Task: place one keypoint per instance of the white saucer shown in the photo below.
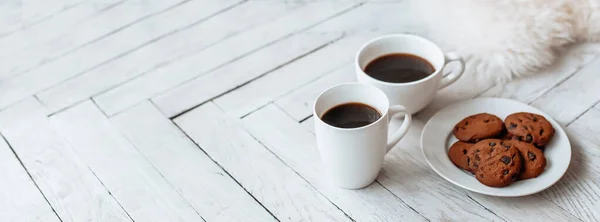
(437, 138)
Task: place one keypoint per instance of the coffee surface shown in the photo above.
(399, 68)
(351, 115)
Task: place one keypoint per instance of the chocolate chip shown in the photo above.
(464, 151)
(541, 132)
(512, 126)
(520, 120)
(505, 160)
(505, 172)
(534, 119)
(514, 177)
(528, 138)
(491, 143)
(467, 123)
(468, 160)
(485, 121)
(530, 155)
(477, 150)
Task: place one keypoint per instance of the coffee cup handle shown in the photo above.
(394, 110)
(455, 74)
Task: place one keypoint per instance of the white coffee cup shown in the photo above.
(412, 95)
(352, 157)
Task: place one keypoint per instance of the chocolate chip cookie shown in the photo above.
(530, 128)
(534, 161)
(482, 150)
(458, 154)
(477, 127)
(494, 164)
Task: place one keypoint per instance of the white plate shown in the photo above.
(437, 138)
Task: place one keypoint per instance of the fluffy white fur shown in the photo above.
(503, 39)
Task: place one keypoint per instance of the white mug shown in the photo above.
(352, 157)
(412, 95)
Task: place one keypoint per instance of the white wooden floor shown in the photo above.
(200, 110)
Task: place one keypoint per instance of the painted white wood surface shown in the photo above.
(227, 50)
(204, 112)
(240, 72)
(166, 50)
(281, 190)
(208, 188)
(142, 191)
(67, 183)
(104, 50)
(20, 199)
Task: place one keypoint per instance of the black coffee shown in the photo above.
(399, 68)
(351, 115)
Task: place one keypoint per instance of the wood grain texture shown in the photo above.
(43, 32)
(142, 191)
(182, 43)
(297, 147)
(213, 193)
(32, 12)
(67, 183)
(238, 73)
(81, 34)
(270, 87)
(107, 49)
(279, 189)
(167, 77)
(20, 199)
(299, 103)
(578, 93)
(579, 191)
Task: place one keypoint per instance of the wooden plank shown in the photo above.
(299, 103)
(32, 12)
(20, 199)
(47, 30)
(309, 124)
(407, 161)
(587, 126)
(297, 147)
(208, 188)
(528, 89)
(579, 191)
(167, 77)
(130, 178)
(84, 33)
(239, 72)
(67, 183)
(272, 86)
(374, 17)
(277, 187)
(107, 49)
(578, 93)
(162, 52)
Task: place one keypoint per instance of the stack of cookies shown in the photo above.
(498, 152)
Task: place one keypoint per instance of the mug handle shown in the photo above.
(398, 109)
(452, 76)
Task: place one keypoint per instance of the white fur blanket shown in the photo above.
(503, 39)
